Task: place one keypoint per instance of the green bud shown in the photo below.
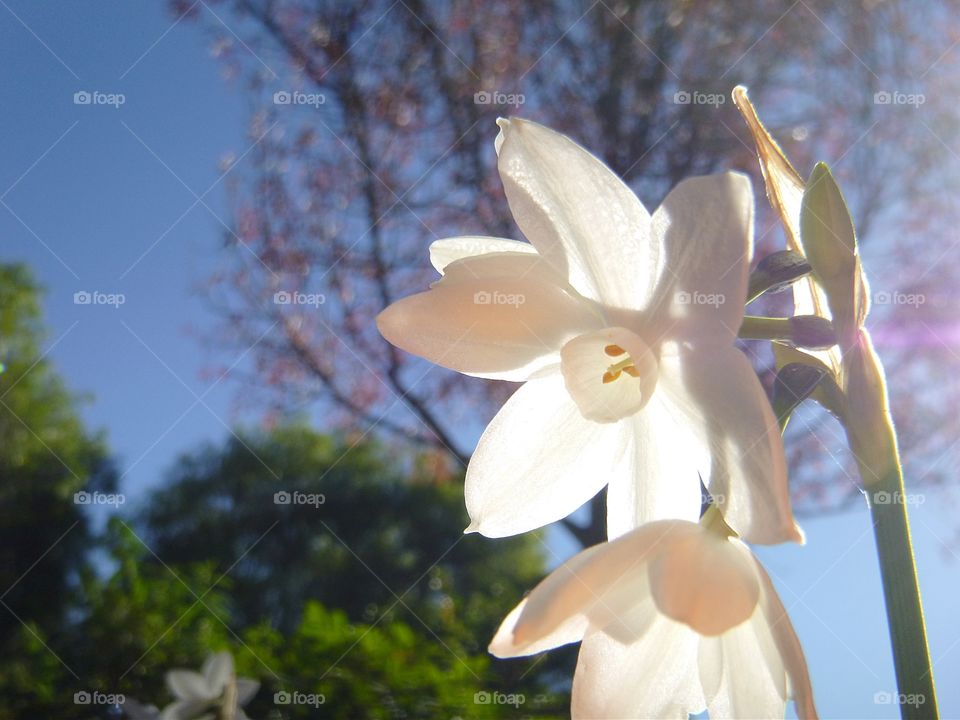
(830, 244)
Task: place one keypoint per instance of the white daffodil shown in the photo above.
(674, 618)
(199, 692)
(622, 324)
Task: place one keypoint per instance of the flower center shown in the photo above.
(624, 366)
(610, 373)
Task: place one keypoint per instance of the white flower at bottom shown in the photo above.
(675, 618)
(198, 692)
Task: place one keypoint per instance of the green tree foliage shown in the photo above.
(372, 600)
(350, 575)
(148, 618)
(383, 540)
(46, 456)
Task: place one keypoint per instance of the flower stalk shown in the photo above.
(901, 592)
(819, 226)
(228, 710)
(804, 331)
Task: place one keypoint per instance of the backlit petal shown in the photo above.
(663, 481)
(706, 229)
(791, 653)
(504, 315)
(653, 677)
(600, 587)
(538, 461)
(578, 214)
(718, 395)
(703, 580)
(443, 252)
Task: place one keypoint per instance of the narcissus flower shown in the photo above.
(198, 693)
(675, 618)
(622, 325)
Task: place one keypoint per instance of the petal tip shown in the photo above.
(473, 527)
(504, 124)
(797, 534)
(384, 321)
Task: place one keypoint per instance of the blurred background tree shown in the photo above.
(46, 456)
(372, 598)
(390, 146)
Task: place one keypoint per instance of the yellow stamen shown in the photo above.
(624, 366)
(614, 350)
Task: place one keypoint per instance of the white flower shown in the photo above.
(675, 618)
(197, 692)
(622, 324)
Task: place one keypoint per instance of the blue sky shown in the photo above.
(99, 198)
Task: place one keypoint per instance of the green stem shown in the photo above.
(765, 328)
(901, 592)
(873, 440)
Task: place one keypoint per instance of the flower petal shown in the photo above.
(652, 677)
(508, 643)
(718, 394)
(217, 669)
(704, 581)
(777, 620)
(538, 461)
(663, 480)
(246, 689)
(443, 252)
(189, 685)
(599, 587)
(768, 645)
(503, 315)
(706, 227)
(184, 709)
(578, 214)
(730, 691)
